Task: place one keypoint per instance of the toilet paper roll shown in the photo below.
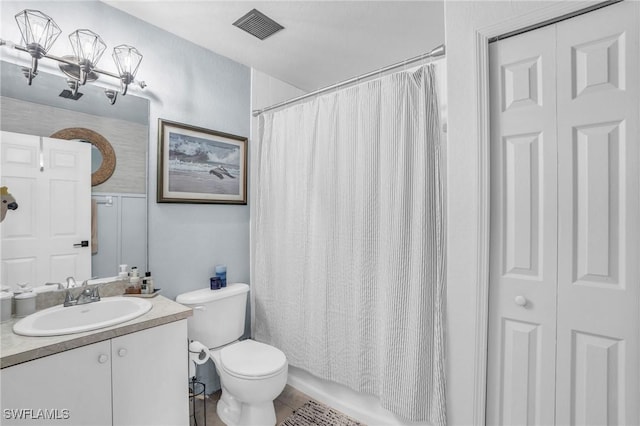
(198, 352)
(198, 355)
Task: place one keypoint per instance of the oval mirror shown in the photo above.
(103, 157)
(96, 159)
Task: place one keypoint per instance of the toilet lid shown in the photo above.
(249, 358)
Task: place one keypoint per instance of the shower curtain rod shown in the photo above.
(434, 53)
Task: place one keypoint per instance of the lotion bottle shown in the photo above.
(134, 281)
(149, 281)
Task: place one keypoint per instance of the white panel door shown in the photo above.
(588, 201)
(51, 181)
(69, 199)
(522, 321)
(21, 230)
(598, 218)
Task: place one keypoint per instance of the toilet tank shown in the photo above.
(218, 315)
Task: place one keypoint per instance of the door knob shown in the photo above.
(122, 352)
(103, 358)
(520, 300)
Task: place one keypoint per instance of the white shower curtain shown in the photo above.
(348, 251)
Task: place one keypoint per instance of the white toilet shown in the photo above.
(252, 374)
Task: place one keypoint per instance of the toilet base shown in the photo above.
(235, 413)
(228, 408)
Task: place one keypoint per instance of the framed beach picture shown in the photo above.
(197, 165)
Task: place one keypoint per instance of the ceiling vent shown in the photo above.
(258, 24)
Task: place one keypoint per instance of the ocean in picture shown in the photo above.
(203, 166)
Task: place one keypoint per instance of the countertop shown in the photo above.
(16, 349)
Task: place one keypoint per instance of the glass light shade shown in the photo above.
(127, 59)
(87, 46)
(38, 30)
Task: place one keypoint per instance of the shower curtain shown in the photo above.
(348, 249)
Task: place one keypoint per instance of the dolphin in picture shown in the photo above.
(217, 173)
(224, 171)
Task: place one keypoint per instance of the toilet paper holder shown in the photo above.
(196, 389)
(198, 355)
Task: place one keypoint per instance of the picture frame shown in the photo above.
(197, 165)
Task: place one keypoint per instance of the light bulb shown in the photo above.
(37, 31)
(87, 49)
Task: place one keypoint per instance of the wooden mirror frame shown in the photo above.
(108, 164)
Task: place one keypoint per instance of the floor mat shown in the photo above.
(313, 413)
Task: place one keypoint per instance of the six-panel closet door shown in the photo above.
(522, 289)
(564, 314)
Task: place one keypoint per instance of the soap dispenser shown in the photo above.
(134, 282)
(123, 274)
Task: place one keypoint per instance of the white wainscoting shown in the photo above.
(120, 240)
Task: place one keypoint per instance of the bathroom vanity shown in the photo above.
(134, 373)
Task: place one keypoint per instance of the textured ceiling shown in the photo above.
(323, 41)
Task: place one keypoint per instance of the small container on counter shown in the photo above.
(25, 301)
(221, 272)
(123, 274)
(215, 283)
(134, 282)
(148, 283)
(6, 300)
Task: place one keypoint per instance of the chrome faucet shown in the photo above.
(71, 282)
(68, 297)
(60, 286)
(87, 295)
(84, 296)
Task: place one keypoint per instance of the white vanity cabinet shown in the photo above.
(135, 379)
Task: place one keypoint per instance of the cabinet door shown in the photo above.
(150, 377)
(69, 388)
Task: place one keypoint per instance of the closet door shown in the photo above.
(598, 218)
(522, 321)
(596, 365)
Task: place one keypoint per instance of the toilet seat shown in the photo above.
(249, 359)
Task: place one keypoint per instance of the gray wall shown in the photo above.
(187, 84)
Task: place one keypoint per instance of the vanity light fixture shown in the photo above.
(39, 32)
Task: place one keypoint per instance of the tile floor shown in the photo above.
(289, 400)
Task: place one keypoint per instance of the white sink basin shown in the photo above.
(58, 320)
